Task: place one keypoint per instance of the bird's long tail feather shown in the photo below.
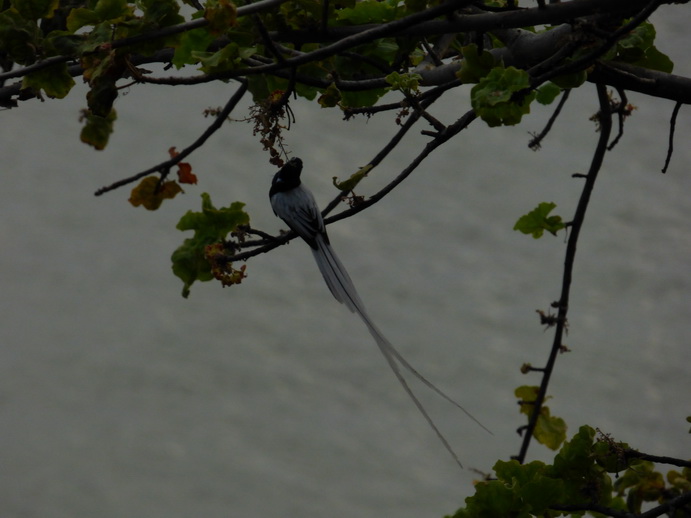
(343, 289)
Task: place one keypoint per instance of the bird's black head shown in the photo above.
(287, 177)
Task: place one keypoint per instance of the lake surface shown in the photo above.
(120, 398)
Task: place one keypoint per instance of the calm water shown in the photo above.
(119, 398)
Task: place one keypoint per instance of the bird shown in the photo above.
(295, 205)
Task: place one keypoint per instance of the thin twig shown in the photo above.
(390, 146)
(450, 132)
(672, 127)
(371, 110)
(164, 167)
(264, 33)
(442, 137)
(261, 247)
(563, 304)
(622, 112)
(534, 144)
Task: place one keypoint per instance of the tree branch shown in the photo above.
(668, 507)
(605, 122)
(164, 32)
(523, 52)
(448, 133)
(442, 137)
(164, 167)
(596, 508)
(536, 141)
(672, 127)
(480, 21)
(633, 454)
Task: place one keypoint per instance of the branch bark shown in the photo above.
(605, 121)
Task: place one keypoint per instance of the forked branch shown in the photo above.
(605, 125)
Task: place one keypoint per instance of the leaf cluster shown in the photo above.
(578, 481)
(313, 49)
(191, 260)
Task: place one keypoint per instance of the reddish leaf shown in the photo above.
(185, 174)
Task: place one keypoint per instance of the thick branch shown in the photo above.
(523, 51)
(554, 14)
(643, 80)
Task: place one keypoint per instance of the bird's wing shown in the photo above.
(299, 210)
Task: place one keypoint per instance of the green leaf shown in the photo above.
(35, 9)
(331, 97)
(636, 42)
(416, 57)
(55, 81)
(228, 58)
(637, 48)
(81, 17)
(532, 483)
(408, 83)
(656, 60)
(111, 9)
(502, 97)
(354, 99)
(538, 220)
(513, 472)
(97, 129)
(302, 14)
(610, 455)
(160, 13)
(384, 50)
(102, 96)
(526, 394)
(368, 11)
(492, 499)
(351, 183)
(210, 225)
(547, 93)
(63, 42)
(572, 80)
(196, 40)
(549, 430)
(19, 38)
(475, 65)
(576, 454)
